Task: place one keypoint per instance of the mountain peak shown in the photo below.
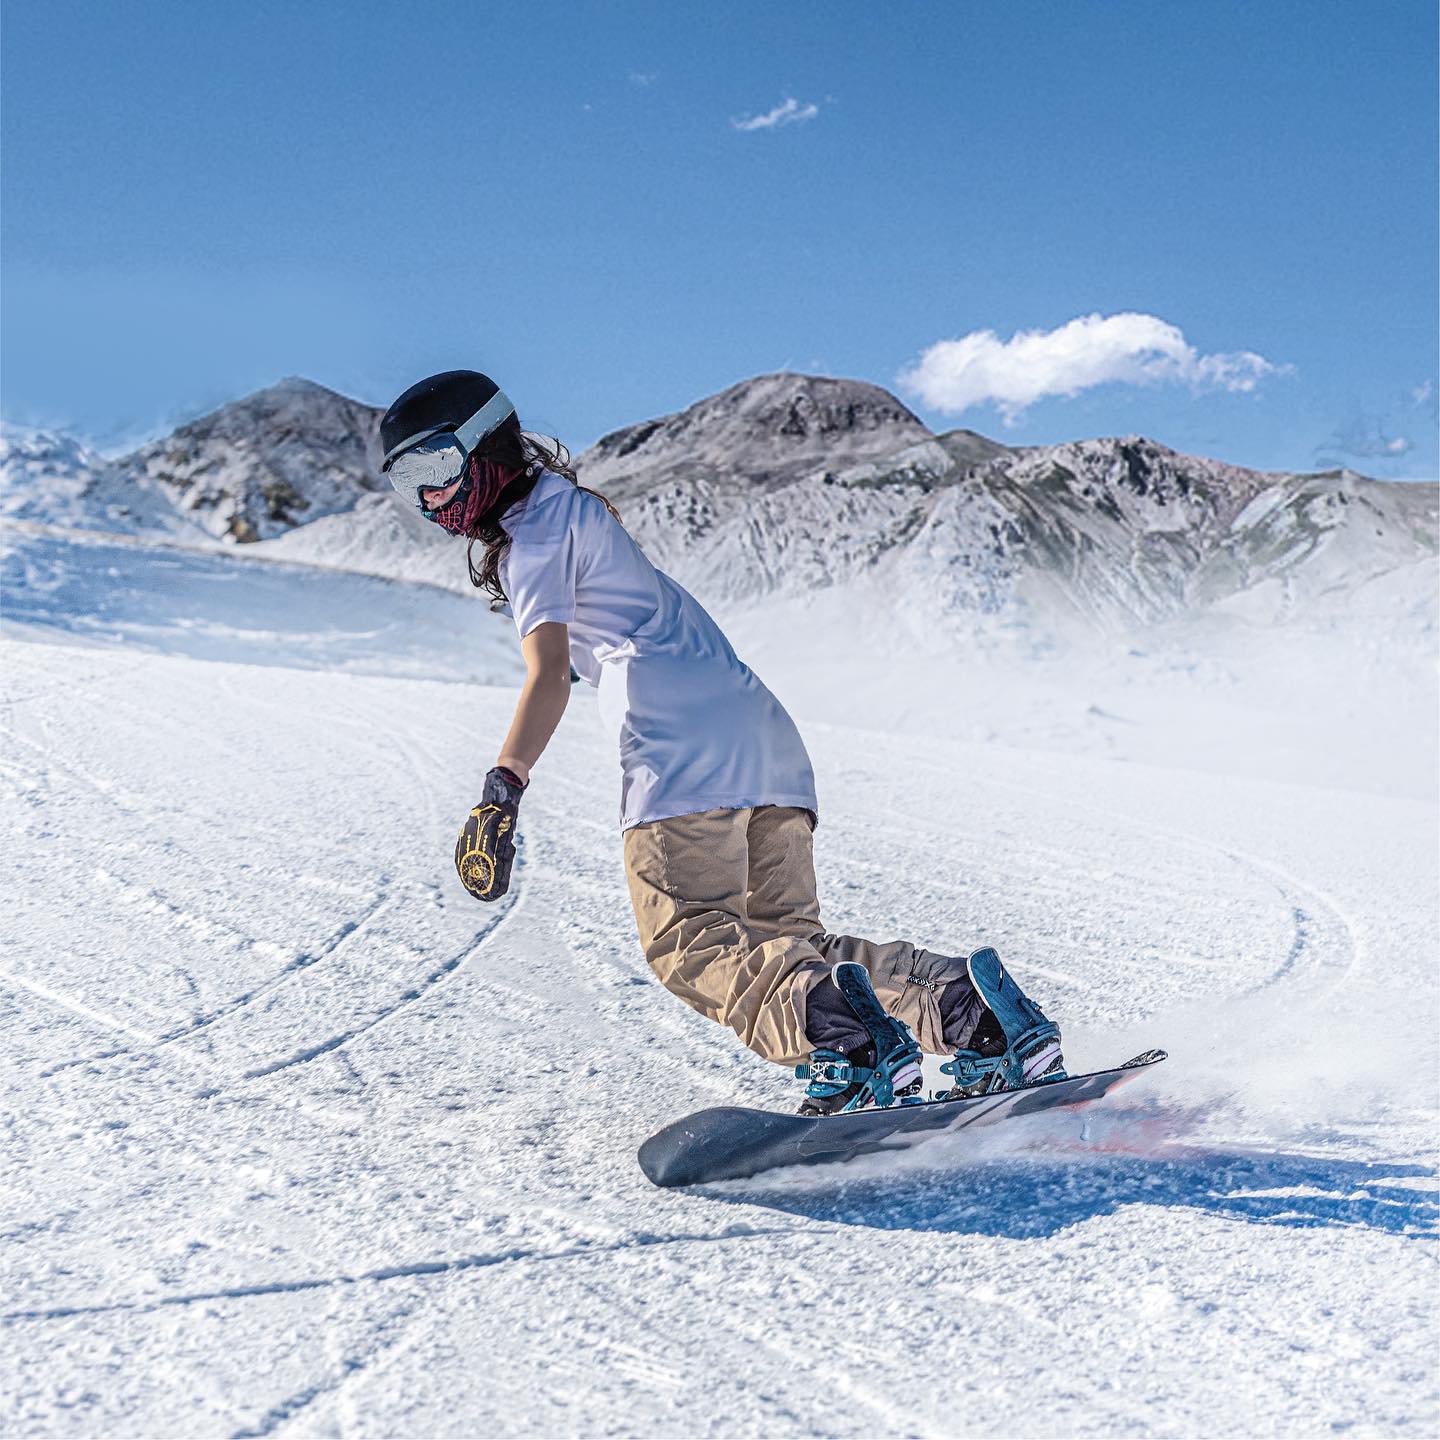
(795, 406)
(262, 464)
(765, 431)
(299, 385)
(288, 403)
(291, 393)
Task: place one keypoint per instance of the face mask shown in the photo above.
(484, 480)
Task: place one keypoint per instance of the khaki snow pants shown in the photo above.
(726, 906)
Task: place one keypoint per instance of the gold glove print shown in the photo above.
(485, 850)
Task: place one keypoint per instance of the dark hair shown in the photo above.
(527, 455)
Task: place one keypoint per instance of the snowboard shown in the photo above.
(731, 1143)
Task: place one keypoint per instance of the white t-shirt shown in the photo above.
(696, 728)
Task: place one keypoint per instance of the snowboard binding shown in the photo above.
(881, 1072)
(1031, 1052)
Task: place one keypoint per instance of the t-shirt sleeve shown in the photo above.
(540, 580)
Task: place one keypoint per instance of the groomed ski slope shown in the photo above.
(301, 1141)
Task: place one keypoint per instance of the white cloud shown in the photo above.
(1364, 438)
(1421, 393)
(787, 113)
(955, 375)
(643, 78)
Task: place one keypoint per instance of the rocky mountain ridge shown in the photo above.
(785, 484)
(758, 435)
(252, 470)
(1107, 533)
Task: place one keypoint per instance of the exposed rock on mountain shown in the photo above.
(755, 436)
(256, 468)
(1108, 532)
(253, 469)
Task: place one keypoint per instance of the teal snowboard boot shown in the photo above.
(863, 1056)
(1013, 1046)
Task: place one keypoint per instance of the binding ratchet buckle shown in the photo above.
(830, 1072)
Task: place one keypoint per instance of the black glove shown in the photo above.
(485, 850)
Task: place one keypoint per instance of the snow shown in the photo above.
(201, 602)
(301, 1140)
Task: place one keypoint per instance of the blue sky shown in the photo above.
(618, 208)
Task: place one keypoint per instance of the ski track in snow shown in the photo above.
(300, 1140)
(1309, 951)
(449, 1266)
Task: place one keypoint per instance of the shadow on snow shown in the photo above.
(1027, 1197)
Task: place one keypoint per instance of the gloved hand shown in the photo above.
(485, 850)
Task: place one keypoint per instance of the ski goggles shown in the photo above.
(465, 436)
(433, 464)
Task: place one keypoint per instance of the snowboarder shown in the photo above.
(717, 794)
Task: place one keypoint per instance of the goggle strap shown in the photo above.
(493, 413)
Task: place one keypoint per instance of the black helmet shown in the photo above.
(463, 401)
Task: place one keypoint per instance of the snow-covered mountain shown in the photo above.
(1110, 531)
(754, 437)
(257, 468)
(790, 483)
(254, 469)
(41, 467)
(52, 479)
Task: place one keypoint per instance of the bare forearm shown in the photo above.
(542, 703)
